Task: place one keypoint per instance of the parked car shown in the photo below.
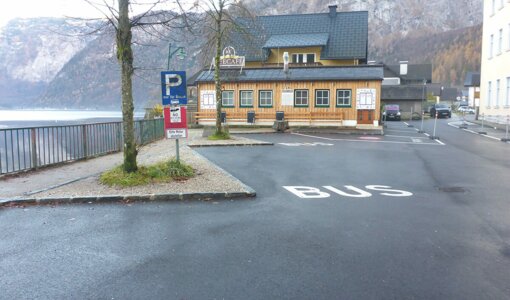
(466, 109)
(391, 112)
(442, 110)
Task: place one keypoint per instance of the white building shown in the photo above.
(495, 71)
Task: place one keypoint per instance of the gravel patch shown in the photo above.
(81, 179)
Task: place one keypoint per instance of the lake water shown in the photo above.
(29, 118)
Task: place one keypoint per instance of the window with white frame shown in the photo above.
(246, 98)
(265, 98)
(227, 98)
(489, 94)
(322, 98)
(491, 46)
(497, 93)
(301, 98)
(343, 98)
(500, 41)
(507, 101)
(303, 58)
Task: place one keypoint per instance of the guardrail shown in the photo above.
(34, 147)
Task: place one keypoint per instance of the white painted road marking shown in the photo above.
(309, 192)
(365, 141)
(305, 144)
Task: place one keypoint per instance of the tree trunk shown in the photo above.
(217, 79)
(125, 58)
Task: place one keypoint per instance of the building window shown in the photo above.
(489, 94)
(301, 98)
(265, 98)
(501, 4)
(509, 36)
(246, 98)
(491, 46)
(227, 99)
(302, 58)
(500, 41)
(507, 102)
(493, 7)
(497, 93)
(322, 98)
(343, 98)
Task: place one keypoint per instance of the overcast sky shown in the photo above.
(11, 9)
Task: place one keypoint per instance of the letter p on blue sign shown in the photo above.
(173, 88)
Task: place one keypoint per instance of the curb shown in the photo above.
(130, 198)
(375, 132)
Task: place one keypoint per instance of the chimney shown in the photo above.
(403, 67)
(332, 10)
(286, 62)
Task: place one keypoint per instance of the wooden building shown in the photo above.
(310, 67)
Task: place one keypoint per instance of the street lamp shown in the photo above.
(179, 52)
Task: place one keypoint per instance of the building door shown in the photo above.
(365, 116)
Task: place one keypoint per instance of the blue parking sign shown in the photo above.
(173, 87)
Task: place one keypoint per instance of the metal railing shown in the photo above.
(34, 147)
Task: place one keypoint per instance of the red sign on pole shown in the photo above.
(176, 125)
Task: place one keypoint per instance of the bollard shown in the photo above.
(506, 139)
(482, 131)
(421, 128)
(411, 118)
(464, 124)
(433, 136)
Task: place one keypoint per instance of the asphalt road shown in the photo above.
(336, 217)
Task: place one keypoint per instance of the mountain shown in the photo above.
(32, 52)
(54, 63)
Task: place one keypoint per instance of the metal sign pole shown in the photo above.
(411, 118)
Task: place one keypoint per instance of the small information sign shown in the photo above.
(177, 133)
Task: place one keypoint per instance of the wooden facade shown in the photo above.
(311, 114)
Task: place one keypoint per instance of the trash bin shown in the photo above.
(279, 116)
(223, 117)
(251, 117)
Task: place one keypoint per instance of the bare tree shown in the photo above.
(148, 21)
(222, 19)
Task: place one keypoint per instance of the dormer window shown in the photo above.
(303, 58)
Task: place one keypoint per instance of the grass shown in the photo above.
(161, 172)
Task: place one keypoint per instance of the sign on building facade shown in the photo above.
(365, 98)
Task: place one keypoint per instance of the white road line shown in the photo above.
(473, 132)
(440, 143)
(426, 134)
(410, 130)
(401, 136)
(364, 141)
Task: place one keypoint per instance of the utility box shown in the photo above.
(251, 117)
(223, 117)
(280, 116)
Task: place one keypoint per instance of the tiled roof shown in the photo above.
(402, 92)
(296, 74)
(472, 79)
(297, 40)
(414, 72)
(347, 31)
